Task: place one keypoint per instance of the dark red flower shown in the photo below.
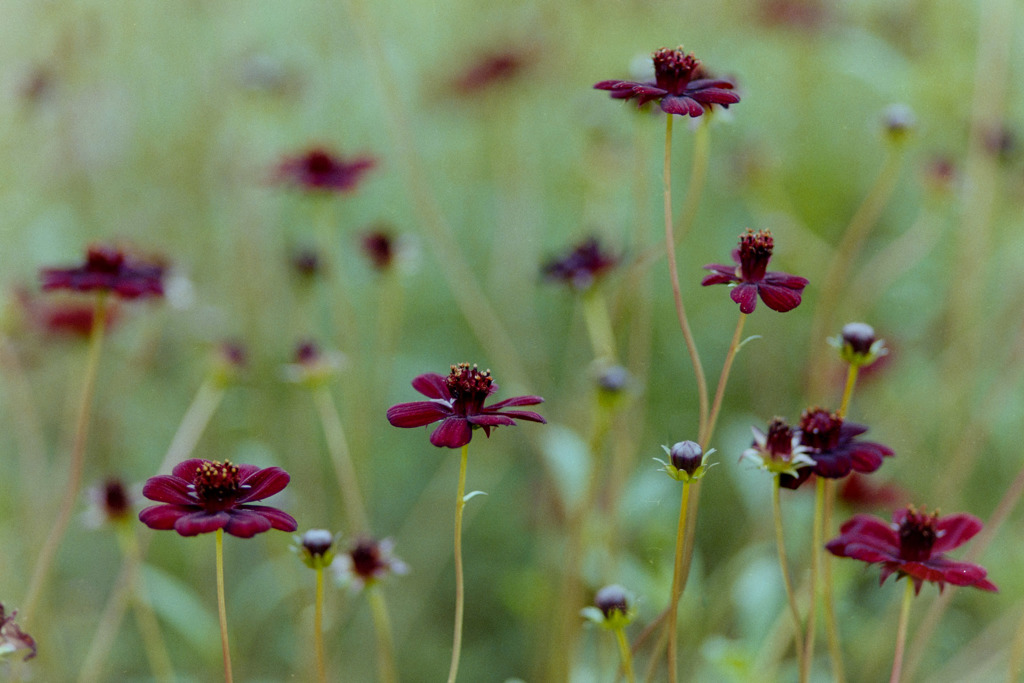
(749, 277)
(367, 562)
(458, 401)
(205, 495)
(379, 246)
(581, 266)
(680, 85)
(12, 638)
(860, 491)
(69, 314)
(108, 269)
(489, 70)
(832, 444)
(318, 169)
(913, 545)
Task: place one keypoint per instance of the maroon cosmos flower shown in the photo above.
(582, 266)
(913, 545)
(12, 638)
(749, 277)
(488, 70)
(379, 246)
(63, 315)
(679, 85)
(367, 562)
(458, 401)
(831, 443)
(108, 269)
(201, 496)
(318, 169)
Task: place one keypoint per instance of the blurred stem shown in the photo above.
(460, 503)
(670, 250)
(599, 325)
(222, 610)
(817, 541)
(851, 381)
(382, 626)
(335, 299)
(194, 422)
(901, 631)
(76, 466)
(344, 470)
(1016, 654)
(318, 624)
(627, 658)
(698, 176)
(835, 647)
(677, 584)
(784, 567)
(723, 379)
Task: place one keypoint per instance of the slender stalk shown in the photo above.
(76, 466)
(222, 610)
(318, 625)
(723, 379)
(851, 381)
(193, 423)
(599, 326)
(817, 540)
(627, 658)
(460, 503)
(901, 632)
(1013, 667)
(677, 585)
(385, 642)
(344, 470)
(698, 175)
(784, 567)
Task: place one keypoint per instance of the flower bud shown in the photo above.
(316, 547)
(613, 600)
(899, 122)
(687, 461)
(858, 345)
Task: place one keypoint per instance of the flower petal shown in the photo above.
(418, 413)
(264, 483)
(186, 469)
(454, 432)
(864, 456)
(778, 298)
(165, 488)
(246, 523)
(682, 105)
(490, 420)
(201, 522)
(432, 385)
(517, 401)
(278, 519)
(524, 415)
(954, 531)
(746, 296)
(163, 517)
(723, 274)
(714, 96)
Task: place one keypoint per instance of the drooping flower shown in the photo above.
(582, 266)
(108, 269)
(367, 562)
(202, 496)
(749, 277)
(680, 85)
(832, 444)
(12, 638)
(458, 401)
(914, 546)
(778, 450)
(319, 170)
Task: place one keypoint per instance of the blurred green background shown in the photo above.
(160, 125)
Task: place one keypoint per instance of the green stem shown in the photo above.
(627, 658)
(222, 610)
(817, 540)
(385, 643)
(835, 648)
(318, 625)
(344, 470)
(460, 503)
(698, 175)
(149, 628)
(599, 326)
(677, 584)
(193, 423)
(851, 380)
(709, 429)
(76, 467)
(901, 632)
(784, 567)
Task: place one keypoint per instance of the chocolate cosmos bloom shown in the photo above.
(205, 495)
(367, 562)
(582, 266)
(913, 545)
(832, 444)
(779, 291)
(458, 400)
(108, 269)
(318, 169)
(679, 86)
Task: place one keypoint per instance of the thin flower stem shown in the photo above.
(835, 648)
(599, 326)
(670, 249)
(385, 642)
(784, 567)
(149, 628)
(460, 503)
(698, 176)
(318, 625)
(723, 379)
(677, 585)
(627, 658)
(851, 381)
(817, 540)
(222, 610)
(1016, 654)
(193, 423)
(901, 631)
(76, 467)
(344, 470)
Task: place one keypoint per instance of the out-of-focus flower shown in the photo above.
(860, 491)
(313, 366)
(832, 444)
(319, 170)
(458, 401)
(680, 86)
(110, 503)
(108, 269)
(687, 461)
(307, 262)
(914, 546)
(379, 246)
(367, 562)
(612, 608)
(858, 344)
(899, 122)
(229, 361)
(62, 314)
(778, 451)
(582, 266)
(749, 277)
(488, 70)
(12, 638)
(316, 548)
(202, 496)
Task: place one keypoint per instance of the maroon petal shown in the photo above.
(781, 299)
(954, 531)
(525, 415)
(723, 274)
(786, 280)
(858, 551)
(705, 83)
(454, 432)
(278, 519)
(490, 420)
(432, 385)
(746, 296)
(681, 105)
(872, 531)
(864, 457)
(186, 469)
(517, 401)
(246, 471)
(832, 465)
(417, 413)
(201, 522)
(163, 517)
(615, 85)
(246, 523)
(168, 489)
(715, 96)
(959, 573)
(264, 484)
